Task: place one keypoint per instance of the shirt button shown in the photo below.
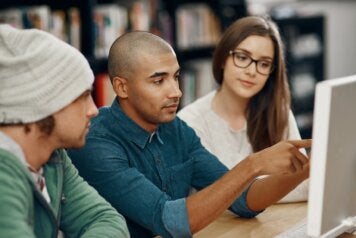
(158, 161)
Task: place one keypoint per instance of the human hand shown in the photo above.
(283, 157)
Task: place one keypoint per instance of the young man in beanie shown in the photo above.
(144, 160)
(46, 105)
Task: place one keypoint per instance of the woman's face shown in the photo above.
(243, 79)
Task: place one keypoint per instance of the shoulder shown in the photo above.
(13, 173)
(61, 157)
(105, 126)
(198, 108)
(102, 120)
(292, 129)
(179, 131)
(10, 161)
(177, 126)
(291, 118)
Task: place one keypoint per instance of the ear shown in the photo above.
(120, 86)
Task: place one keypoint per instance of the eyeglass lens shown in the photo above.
(243, 60)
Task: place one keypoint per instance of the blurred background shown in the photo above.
(319, 37)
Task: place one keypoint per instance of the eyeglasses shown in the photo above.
(243, 60)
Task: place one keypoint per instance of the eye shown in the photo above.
(241, 57)
(177, 77)
(265, 64)
(158, 81)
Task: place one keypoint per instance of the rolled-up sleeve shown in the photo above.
(241, 208)
(176, 219)
(208, 169)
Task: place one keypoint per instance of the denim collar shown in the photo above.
(133, 131)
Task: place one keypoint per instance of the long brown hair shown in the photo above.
(267, 112)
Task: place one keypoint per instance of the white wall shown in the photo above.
(340, 35)
(340, 29)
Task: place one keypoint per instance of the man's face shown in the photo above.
(153, 90)
(72, 122)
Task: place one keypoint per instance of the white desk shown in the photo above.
(275, 220)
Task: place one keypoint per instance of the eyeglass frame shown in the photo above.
(232, 53)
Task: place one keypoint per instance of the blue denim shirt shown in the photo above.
(148, 177)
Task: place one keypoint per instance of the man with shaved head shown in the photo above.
(144, 160)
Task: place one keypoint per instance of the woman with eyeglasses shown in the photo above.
(250, 110)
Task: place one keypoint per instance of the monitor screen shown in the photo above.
(332, 194)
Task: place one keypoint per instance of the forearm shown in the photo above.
(298, 194)
(206, 205)
(286, 166)
(269, 190)
(282, 158)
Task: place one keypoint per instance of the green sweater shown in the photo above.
(76, 208)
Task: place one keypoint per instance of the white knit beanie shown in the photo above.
(39, 75)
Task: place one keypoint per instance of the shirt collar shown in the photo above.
(134, 132)
(156, 133)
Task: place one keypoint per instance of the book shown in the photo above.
(58, 25)
(37, 17)
(74, 27)
(197, 26)
(110, 22)
(62, 24)
(12, 16)
(197, 80)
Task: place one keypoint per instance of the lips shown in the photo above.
(174, 105)
(247, 83)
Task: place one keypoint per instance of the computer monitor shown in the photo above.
(332, 191)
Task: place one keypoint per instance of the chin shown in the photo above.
(168, 118)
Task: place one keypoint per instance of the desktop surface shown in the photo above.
(273, 221)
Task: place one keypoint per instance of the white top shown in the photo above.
(231, 146)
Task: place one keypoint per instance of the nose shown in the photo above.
(175, 91)
(92, 109)
(252, 68)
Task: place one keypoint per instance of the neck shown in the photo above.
(230, 108)
(36, 147)
(133, 115)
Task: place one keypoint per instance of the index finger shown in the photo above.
(306, 143)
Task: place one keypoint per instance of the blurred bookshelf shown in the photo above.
(91, 26)
(304, 38)
(192, 27)
(197, 27)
